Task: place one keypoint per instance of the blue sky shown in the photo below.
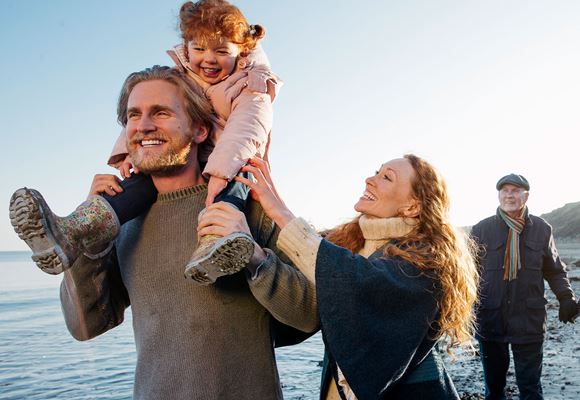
(480, 89)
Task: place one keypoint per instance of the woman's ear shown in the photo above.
(412, 210)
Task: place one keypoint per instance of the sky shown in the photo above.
(478, 88)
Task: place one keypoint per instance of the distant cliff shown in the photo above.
(565, 221)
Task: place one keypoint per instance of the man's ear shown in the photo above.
(412, 210)
(200, 134)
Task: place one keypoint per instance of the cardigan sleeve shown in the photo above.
(376, 316)
(300, 242)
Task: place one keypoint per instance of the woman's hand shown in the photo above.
(264, 191)
(214, 187)
(105, 184)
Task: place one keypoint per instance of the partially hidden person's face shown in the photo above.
(159, 133)
(512, 199)
(389, 193)
(214, 61)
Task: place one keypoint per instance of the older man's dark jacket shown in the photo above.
(515, 311)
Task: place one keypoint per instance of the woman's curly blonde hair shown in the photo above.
(433, 245)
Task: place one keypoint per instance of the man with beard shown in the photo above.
(193, 342)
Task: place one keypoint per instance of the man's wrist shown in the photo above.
(258, 259)
(565, 296)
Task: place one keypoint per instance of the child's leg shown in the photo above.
(56, 242)
(218, 256)
(138, 194)
(235, 193)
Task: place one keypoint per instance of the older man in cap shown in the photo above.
(517, 254)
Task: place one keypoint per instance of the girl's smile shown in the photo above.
(213, 61)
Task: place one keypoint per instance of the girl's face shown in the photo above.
(213, 62)
(389, 192)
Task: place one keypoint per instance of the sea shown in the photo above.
(40, 360)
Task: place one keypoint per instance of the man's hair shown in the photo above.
(198, 108)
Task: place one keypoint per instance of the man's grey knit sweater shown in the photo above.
(193, 342)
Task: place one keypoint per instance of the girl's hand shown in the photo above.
(125, 168)
(214, 187)
(264, 191)
(105, 184)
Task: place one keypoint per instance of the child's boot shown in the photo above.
(217, 256)
(56, 242)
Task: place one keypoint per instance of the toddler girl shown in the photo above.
(220, 52)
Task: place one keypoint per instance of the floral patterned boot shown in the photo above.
(56, 242)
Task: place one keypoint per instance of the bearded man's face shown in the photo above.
(159, 132)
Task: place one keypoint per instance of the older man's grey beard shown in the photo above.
(167, 164)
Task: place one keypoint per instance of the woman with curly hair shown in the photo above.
(390, 284)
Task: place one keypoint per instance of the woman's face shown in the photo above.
(389, 193)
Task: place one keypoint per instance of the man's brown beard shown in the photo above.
(173, 160)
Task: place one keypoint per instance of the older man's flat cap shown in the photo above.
(514, 179)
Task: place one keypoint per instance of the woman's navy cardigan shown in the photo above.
(378, 318)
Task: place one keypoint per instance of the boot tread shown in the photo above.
(28, 221)
(227, 258)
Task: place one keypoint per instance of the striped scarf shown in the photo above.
(511, 260)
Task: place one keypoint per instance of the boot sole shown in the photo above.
(229, 257)
(26, 216)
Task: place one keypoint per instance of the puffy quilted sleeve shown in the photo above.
(119, 152)
(247, 130)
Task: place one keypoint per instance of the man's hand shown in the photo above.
(214, 187)
(105, 184)
(223, 219)
(568, 311)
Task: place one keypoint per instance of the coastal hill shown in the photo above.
(565, 221)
